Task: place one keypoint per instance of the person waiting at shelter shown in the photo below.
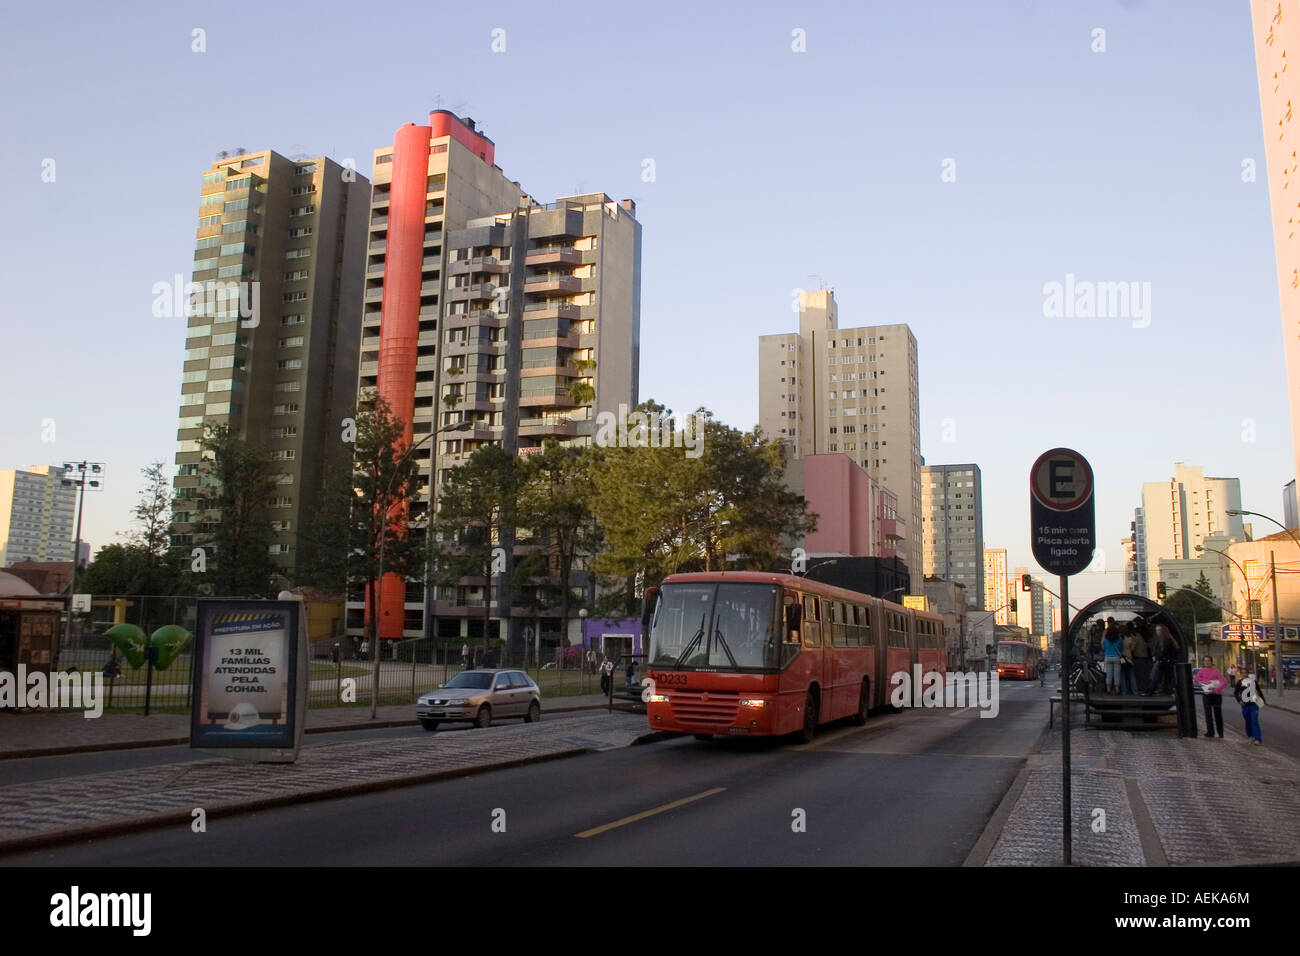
(1112, 649)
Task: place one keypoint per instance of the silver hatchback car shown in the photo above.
(480, 695)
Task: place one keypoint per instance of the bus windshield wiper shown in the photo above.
(699, 636)
(727, 650)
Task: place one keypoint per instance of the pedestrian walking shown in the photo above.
(591, 662)
(1249, 696)
(464, 655)
(1212, 684)
(630, 675)
(607, 677)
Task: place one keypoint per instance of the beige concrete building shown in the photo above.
(1276, 28)
(952, 533)
(1023, 615)
(273, 329)
(995, 585)
(1178, 514)
(36, 515)
(483, 305)
(826, 389)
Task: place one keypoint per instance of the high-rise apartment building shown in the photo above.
(825, 390)
(36, 515)
(273, 328)
(1276, 27)
(952, 516)
(995, 584)
(1023, 615)
(1177, 515)
(482, 305)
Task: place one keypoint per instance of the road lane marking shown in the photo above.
(595, 831)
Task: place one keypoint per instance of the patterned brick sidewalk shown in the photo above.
(1197, 802)
(129, 799)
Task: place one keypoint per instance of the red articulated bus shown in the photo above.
(753, 653)
(1018, 660)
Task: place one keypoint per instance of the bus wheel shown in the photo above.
(809, 730)
(864, 704)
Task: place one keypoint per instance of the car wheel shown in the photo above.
(809, 730)
(534, 713)
(429, 724)
(864, 704)
(484, 716)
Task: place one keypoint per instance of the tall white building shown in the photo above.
(952, 532)
(995, 584)
(851, 391)
(36, 515)
(1177, 515)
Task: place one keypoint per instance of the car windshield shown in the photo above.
(718, 626)
(1011, 653)
(473, 680)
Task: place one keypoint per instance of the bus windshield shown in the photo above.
(1011, 653)
(727, 626)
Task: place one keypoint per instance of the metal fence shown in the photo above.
(339, 675)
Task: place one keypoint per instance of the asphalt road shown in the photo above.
(915, 788)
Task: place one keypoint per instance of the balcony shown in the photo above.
(481, 292)
(379, 245)
(546, 396)
(541, 427)
(479, 264)
(551, 310)
(552, 285)
(554, 256)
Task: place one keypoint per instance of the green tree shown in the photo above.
(238, 479)
(153, 511)
(664, 510)
(1187, 609)
(476, 509)
(128, 569)
(384, 476)
(555, 513)
(325, 535)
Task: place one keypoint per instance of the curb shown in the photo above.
(99, 831)
(176, 741)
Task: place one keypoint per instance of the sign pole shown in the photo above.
(1066, 652)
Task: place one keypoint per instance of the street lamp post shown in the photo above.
(1250, 617)
(461, 425)
(1278, 682)
(88, 473)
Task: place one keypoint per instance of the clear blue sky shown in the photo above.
(775, 170)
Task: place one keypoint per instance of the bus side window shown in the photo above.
(812, 629)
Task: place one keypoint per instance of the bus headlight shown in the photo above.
(754, 702)
(658, 699)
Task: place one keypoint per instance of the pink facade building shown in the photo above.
(856, 516)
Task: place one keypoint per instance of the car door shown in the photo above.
(503, 698)
(522, 688)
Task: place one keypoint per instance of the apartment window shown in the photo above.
(192, 398)
(302, 211)
(207, 243)
(197, 376)
(294, 296)
(217, 177)
(240, 226)
(285, 365)
(295, 275)
(286, 409)
(295, 319)
(288, 386)
(298, 253)
(215, 199)
(381, 160)
(219, 385)
(284, 454)
(437, 148)
(238, 182)
(199, 353)
(286, 431)
(292, 341)
(284, 480)
(205, 221)
(303, 190)
(229, 272)
(305, 169)
(299, 232)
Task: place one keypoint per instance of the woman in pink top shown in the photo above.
(1212, 684)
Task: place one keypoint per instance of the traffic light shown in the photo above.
(1024, 583)
(1160, 590)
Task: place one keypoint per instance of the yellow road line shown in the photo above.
(594, 831)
